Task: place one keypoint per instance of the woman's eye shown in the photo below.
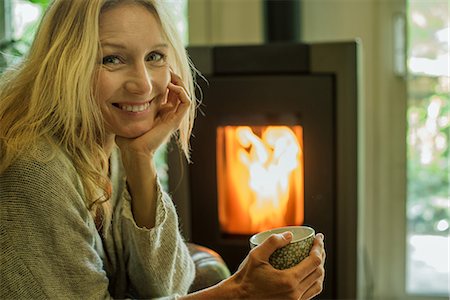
(156, 57)
(111, 60)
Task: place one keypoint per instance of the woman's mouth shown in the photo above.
(133, 107)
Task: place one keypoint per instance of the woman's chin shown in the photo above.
(132, 134)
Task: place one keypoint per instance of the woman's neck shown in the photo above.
(109, 143)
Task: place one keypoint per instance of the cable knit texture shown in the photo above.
(50, 247)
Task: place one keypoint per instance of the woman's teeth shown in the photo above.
(134, 108)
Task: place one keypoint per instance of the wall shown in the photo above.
(382, 113)
(222, 22)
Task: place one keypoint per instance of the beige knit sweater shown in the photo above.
(50, 247)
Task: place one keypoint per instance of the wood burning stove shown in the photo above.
(276, 146)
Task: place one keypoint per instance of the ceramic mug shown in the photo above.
(294, 252)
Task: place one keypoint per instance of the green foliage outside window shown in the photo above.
(428, 156)
(12, 51)
(428, 119)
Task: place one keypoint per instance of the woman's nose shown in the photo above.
(139, 81)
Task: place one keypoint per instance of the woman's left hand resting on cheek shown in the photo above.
(167, 120)
(137, 153)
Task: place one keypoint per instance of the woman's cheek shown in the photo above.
(104, 86)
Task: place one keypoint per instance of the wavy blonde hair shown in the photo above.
(51, 94)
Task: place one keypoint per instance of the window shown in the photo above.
(428, 203)
(23, 16)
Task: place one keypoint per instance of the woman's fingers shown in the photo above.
(176, 85)
(312, 262)
(312, 284)
(174, 109)
(314, 290)
(318, 246)
(274, 242)
(303, 281)
(178, 100)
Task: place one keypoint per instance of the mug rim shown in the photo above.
(281, 230)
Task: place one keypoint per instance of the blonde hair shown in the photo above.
(51, 95)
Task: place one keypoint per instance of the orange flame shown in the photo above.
(260, 177)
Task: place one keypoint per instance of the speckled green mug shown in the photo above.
(291, 254)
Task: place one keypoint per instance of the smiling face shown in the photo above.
(134, 72)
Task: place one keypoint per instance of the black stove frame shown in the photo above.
(315, 86)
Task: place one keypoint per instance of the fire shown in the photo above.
(260, 177)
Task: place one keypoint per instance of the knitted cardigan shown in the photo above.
(50, 247)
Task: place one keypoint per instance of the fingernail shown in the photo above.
(287, 235)
(321, 236)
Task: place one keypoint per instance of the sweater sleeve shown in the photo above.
(157, 260)
(47, 237)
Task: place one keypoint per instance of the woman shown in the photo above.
(82, 214)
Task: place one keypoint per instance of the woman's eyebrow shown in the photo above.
(162, 45)
(123, 46)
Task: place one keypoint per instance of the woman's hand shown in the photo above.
(168, 119)
(259, 280)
